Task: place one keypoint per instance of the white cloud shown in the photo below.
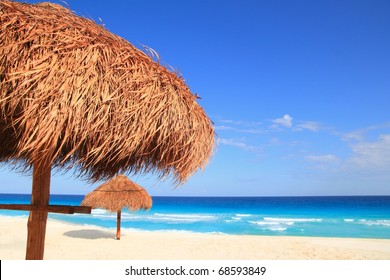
(223, 127)
(249, 127)
(309, 125)
(233, 122)
(252, 127)
(252, 131)
(329, 158)
(285, 121)
(353, 136)
(359, 135)
(372, 154)
(236, 143)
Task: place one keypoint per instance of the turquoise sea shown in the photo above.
(345, 216)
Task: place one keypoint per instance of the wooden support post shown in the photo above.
(118, 225)
(62, 209)
(36, 225)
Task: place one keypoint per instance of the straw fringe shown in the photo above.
(89, 99)
(117, 194)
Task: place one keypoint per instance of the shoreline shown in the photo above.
(67, 241)
(163, 231)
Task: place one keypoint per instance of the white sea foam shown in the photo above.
(173, 231)
(243, 215)
(99, 211)
(274, 226)
(293, 220)
(104, 216)
(277, 228)
(134, 218)
(125, 216)
(233, 220)
(185, 216)
(175, 218)
(266, 223)
(281, 224)
(366, 222)
(190, 232)
(131, 229)
(385, 223)
(14, 216)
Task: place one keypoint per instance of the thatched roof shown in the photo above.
(118, 193)
(89, 99)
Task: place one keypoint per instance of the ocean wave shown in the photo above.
(293, 220)
(107, 215)
(273, 226)
(278, 228)
(281, 224)
(104, 216)
(366, 222)
(385, 223)
(266, 223)
(156, 217)
(191, 232)
(13, 215)
(173, 231)
(173, 218)
(99, 211)
(232, 221)
(185, 216)
(243, 215)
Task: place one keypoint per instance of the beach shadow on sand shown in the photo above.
(90, 234)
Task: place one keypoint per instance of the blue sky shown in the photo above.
(299, 92)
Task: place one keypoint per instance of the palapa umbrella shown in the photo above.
(116, 194)
(73, 95)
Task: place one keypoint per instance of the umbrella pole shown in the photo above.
(118, 225)
(36, 225)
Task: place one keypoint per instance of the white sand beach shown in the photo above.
(75, 242)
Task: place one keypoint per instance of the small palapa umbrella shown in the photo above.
(116, 194)
(75, 96)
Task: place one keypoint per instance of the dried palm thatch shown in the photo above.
(79, 96)
(118, 193)
(74, 95)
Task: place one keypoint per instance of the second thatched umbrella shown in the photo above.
(117, 194)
